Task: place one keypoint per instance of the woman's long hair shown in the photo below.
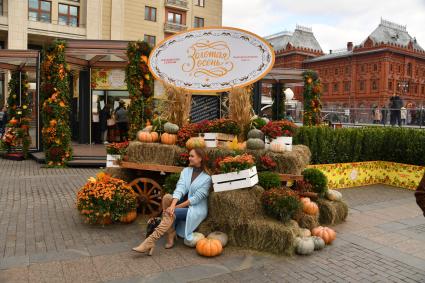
(204, 163)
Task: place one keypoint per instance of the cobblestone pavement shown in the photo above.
(42, 239)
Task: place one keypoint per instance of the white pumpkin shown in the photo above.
(318, 243)
(196, 237)
(305, 232)
(277, 146)
(333, 195)
(304, 246)
(222, 237)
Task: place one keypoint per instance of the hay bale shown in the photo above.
(237, 206)
(332, 212)
(155, 153)
(308, 221)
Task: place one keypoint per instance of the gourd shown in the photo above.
(196, 238)
(255, 134)
(276, 146)
(222, 237)
(309, 207)
(327, 234)
(318, 243)
(171, 128)
(305, 232)
(255, 144)
(304, 246)
(209, 247)
(129, 217)
(195, 143)
(168, 138)
(333, 195)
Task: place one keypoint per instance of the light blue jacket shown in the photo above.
(197, 192)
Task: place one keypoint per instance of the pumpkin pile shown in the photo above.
(314, 240)
(209, 246)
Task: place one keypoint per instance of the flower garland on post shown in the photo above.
(55, 97)
(312, 93)
(19, 115)
(140, 86)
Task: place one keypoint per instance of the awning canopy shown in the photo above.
(285, 76)
(13, 60)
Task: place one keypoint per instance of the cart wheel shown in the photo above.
(149, 196)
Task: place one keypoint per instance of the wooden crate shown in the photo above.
(216, 139)
(235, 180)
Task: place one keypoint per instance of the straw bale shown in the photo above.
(155, 153)
(332, 212)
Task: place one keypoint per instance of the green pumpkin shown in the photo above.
(318, 243)
(255, 144)
(196, 237)
(304, 246)
(255, 134)
(171, 128)
(222, 237)
(333, 195)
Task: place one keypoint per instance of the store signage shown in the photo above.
(211, 59)
(106, 79)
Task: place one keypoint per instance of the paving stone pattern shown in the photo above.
(43, 239)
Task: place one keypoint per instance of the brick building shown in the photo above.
(388, 61)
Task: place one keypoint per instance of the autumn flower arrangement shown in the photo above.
(236, 163)
(282, 204)
(104, 199)
(281, 128)
(117, 148)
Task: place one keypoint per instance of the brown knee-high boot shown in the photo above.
(167, 221)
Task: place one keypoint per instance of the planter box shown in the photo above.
(235, 180)
(111, 160)
(216, 139)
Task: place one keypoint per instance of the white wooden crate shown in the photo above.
(111, 160)
(235, 180)
(216, 139)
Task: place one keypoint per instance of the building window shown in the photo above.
(40, 10)
(374, 85)
(326, 72)
(1, 7)
(409, 69)
(416, 88)
(347, 69)
(347, 86)
(68, 15)
(335, 89)
(151, 39)
(375, 67)
(399, 69)
(362, 68)
(391, 67)
(174, 18)
(150, 14)
(325, 87)
(200, 3)
(199, 22)
(336, 71)
(423, 89)
(390, 85)
(362, 85)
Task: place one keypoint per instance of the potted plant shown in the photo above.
(279, 133)
(103, 200)
(114, 152)
(218, 132)
(235, 172)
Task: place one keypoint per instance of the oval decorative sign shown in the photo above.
(211, 59)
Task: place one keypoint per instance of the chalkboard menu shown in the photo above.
(204, 107)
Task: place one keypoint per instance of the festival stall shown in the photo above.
(262, 197)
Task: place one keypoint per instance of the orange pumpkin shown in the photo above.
(13, 121)
(155, 136)
(309, 207)
(129, 217)
(195, 143)
(146, 136)
(209, 247)
(168, 138)
(327, 234)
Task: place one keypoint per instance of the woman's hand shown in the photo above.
(170, 210)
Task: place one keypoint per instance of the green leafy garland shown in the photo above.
(140, 85)
(19, 117)
(55, 98)
(312, 93)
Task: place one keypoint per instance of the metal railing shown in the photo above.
(355, 117)
(177, 3)
(173, 27)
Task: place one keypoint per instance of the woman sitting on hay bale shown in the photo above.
(181, 216)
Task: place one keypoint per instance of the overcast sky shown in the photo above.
(334, 22)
